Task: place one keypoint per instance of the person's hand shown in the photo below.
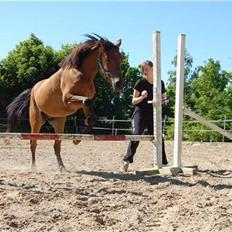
(144, 94)
(165, 101)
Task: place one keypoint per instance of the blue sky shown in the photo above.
(207, 26)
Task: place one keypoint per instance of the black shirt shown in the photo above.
(141, 85)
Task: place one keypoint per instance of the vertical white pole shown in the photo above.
(179, 101)
(157, 97)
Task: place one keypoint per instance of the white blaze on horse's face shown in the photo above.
(111, 60)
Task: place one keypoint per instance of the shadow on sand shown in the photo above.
(171, 180)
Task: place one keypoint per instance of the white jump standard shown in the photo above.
(176, 168)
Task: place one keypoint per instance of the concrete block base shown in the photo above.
(169, 171)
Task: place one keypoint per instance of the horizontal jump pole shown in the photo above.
(53, 136)
(206, 123)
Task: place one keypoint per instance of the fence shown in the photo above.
(122, 127)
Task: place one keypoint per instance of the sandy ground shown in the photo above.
(95, 196)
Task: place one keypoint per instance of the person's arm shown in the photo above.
(137, 98)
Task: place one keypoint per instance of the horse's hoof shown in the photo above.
(76, 142)
(62, 168)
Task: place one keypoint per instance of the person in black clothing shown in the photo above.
(142, 117)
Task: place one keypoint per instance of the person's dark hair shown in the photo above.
(146, 62)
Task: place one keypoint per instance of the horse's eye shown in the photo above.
(107, 60)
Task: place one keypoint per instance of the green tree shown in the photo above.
(211, 97)
(28, 63)
(63, 52)
(189, 76)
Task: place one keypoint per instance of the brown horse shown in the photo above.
(69, 89)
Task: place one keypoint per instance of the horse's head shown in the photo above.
(109, 58)
(109, 61)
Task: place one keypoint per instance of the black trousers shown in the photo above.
(140, 122)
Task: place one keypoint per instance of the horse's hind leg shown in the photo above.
(36, 122)
(7, 140)
(58, 125)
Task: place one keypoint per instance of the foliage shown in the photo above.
(207, 92)
(189, 74)
(27, 64)
(210, 96)
(30, 62)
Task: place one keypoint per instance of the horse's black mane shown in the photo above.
(78, 54)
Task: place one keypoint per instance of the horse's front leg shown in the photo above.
(89, 119)
(87, 107)
(89, 116)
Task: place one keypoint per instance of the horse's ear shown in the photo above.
(118, 43)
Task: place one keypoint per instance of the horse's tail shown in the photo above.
(18, 109)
